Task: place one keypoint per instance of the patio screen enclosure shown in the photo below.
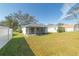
(36, 30)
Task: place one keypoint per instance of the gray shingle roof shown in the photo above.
(51, 25)
(35, 25)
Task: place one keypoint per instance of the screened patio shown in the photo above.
(34, 29)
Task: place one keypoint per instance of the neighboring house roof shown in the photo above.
(51, 25)
(76, 26)
(64, 25)
(34, 25)
(1, 27)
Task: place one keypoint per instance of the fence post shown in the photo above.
(8, 33)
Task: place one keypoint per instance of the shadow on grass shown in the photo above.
(16, 47)
(43, 34)
(14, 34)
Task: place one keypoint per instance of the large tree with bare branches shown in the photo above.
(15, 20)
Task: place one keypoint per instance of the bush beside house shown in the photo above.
(61, 29)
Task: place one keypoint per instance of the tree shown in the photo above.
(11, 22)
(18, 19)
(61, 29)
(24, 18)
(60, 24)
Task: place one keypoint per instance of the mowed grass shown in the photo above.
(55, 44)
(17, 46)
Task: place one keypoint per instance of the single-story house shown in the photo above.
(34, 29)
(68, 27)
(37, 29)
(54, 27)
(76, 27)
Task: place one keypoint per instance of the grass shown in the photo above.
(16, 47)
(55, 44)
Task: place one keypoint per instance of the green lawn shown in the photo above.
(16, 47)
(55, 44)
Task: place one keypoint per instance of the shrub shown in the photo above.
(19, 30)
(61, 29)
